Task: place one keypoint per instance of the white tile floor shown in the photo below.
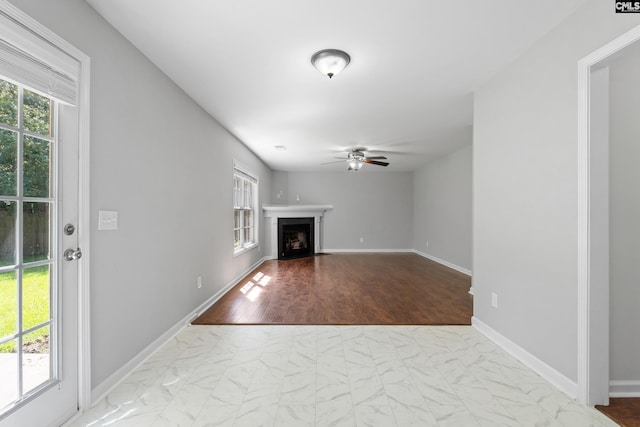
(335, 376)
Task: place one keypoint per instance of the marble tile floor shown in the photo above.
(252, 376)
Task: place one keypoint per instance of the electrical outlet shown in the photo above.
(427, 244)
(494, 300)
(199, 282)
(362, 240)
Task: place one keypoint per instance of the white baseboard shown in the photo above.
(445, 263)
(106, 386)
(624, 388)
(338, 251)
(570, 388)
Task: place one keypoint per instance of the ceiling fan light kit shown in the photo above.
(330, 62)
(356, 159)
(355, 165)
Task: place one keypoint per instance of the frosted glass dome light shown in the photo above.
(330, 62)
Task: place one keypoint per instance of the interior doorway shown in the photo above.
(593, 218)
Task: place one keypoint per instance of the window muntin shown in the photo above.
(245, 193)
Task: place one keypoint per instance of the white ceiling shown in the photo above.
(407, 93)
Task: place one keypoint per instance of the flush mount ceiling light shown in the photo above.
(330, 62)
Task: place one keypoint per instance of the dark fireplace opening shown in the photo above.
(295, 237)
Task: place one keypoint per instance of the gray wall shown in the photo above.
(377, 206)
(280, 188)
(166, 166)
(442, 208)
(525, 188)
(624, 218)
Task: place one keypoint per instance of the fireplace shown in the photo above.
(275, 213)
(295, 237)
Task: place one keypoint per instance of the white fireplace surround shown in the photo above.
(273, 212)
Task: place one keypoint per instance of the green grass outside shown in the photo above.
(35, 304)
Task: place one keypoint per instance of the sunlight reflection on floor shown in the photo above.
(251, 290)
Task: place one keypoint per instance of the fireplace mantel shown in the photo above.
(294, 211)
(273, 212)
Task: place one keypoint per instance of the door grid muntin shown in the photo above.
(25, 390)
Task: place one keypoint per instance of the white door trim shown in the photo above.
(84, 355)
(84, 233)
(593, 359)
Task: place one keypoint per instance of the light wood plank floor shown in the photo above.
(347, 289)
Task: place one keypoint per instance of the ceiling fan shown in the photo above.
(356, 159)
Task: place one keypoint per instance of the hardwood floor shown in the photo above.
(624, 411)
(347, 289)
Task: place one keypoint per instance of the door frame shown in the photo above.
(593, 210)
(84, 224)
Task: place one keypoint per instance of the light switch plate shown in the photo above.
(107, 220)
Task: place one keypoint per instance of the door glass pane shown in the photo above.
(8, 373)
(8, 162)
(37, 167)
(7, 233)
(36, 244)
(8, 103)
(36, 291)
(36, 364)
(37, 113)
(8, 308)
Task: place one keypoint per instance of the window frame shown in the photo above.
(245, 201)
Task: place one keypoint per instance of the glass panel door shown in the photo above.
(28, 269)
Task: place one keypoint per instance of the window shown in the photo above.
(245, 201)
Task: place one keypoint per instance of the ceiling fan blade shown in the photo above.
(375, 162)
(376, 158)
(337, 161)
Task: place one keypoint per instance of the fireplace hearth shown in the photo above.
(295, 237)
